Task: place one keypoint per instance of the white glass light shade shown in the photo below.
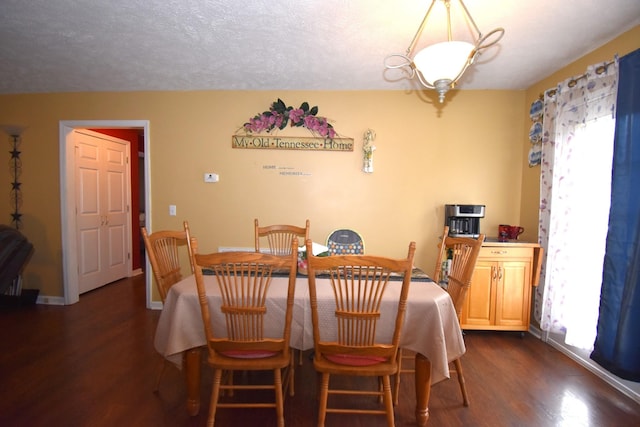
(443, 61)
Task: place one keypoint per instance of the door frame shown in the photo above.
(67, 199)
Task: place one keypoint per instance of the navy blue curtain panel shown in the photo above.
(617, 345)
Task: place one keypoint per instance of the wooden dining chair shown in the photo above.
(441, 256)
(358, 284)
(244, 280)
(464, 252)
(164, 256)
(162, 249)
(279, 236)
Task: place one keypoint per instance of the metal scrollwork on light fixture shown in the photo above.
(440, 65)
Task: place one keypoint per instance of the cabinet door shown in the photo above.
(478, 311)
(513, 293)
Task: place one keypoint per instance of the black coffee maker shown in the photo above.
(463, 220)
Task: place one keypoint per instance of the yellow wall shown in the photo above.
(470, 150)
(427, 155)
(626, 43)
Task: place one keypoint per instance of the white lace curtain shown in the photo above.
(575, 189)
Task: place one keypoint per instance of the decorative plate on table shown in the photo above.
(535, 133)
(536, 110)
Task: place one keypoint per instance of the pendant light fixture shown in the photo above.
(439, 66)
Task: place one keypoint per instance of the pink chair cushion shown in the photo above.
(248, 354)
(354, 360)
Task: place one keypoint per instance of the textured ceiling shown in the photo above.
(140, 45)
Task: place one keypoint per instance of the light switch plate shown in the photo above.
(172, 210)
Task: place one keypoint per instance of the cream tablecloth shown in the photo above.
(431, 327)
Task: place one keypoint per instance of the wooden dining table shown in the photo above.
(431, 329)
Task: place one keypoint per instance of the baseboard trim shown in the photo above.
(49, 300)
(156, 305)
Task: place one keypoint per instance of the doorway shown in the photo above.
(67, 197)
(103, 208)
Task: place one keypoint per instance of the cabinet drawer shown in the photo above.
(503, 252)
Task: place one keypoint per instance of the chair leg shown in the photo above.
(396, 383)
(463, 386)
(288, 377)
(277, 380)
(402, 360)
(292, 376)
(322, 404)
(396, 389)
(227, 379)
(388, 400)
(215, 395)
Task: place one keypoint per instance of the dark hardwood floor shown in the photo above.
(93, 364)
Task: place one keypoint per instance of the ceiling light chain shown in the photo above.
(439, 66)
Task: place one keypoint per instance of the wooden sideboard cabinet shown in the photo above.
(500, 294)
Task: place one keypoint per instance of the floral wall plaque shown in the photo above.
(278, 117)
(291, 143)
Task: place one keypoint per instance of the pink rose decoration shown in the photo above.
(279, 115)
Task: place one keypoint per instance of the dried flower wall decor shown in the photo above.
(278, 117)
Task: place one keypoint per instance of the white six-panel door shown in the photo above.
(101, 177)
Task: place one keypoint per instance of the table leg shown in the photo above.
(191, 365)
(423, 388)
